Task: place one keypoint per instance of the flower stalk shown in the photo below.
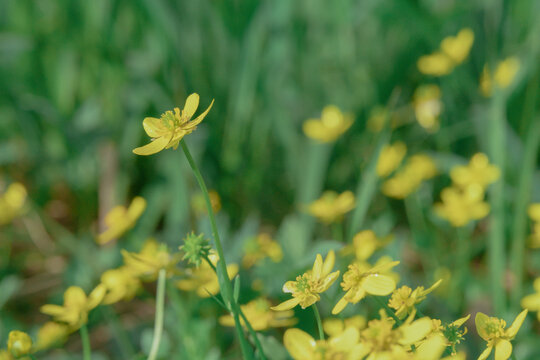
(87, 350)
(158, 323)
(319, 322)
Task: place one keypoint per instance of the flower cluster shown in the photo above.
(331, 206)
(329, 127)
(407, 180)
(504, 75)
(120, 219)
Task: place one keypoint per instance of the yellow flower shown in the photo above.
(453, 334)
(390, 158)
(492, 330)
(5, 355)
(76, 306)
(261, 317)
(436, 64)
(336, 326)
(478, 172)
(532, 301)
(505, 72)
(361, 280)
(534, 212)
(404, 299)
(51, 334)
(418, 168)
(329, 127)
(261, 247)
(428, 106)
(534, 238)
(365, 243)
(331, 206)
(203, 279)
(119, 220)
(460, 206)
(171, 127)
(120, 284)
(12, 203)
(198, 203)
(150, 260)
(19, 343)
(346, 346)
(307, 287)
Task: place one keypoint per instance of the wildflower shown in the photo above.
(390, 158)
(301, 346)
(307, 287)
(5, 355)
(261, 247)
(361, 280)
(492, 330)
(478, 172)
(51, 334)
(329, 127)
(198, 203)
(460, 206)
(336, 326)
(203, 279)
(120, 219)
(365, 243)
(532, 301)
(454, 334)
(19, 343)
(534, 214)
(331, 206)
(120, 284)
(171, 127)
(436, 64)
(196, 248)
(428, 106)
(418, 168)
(12, 203)
(404, 299)
(505, 72)
(76, 306)
(261, 317)
(152, 258)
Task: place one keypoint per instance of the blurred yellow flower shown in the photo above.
(261, 317)
(532, 301)
(404, 299)
(478, 172)
(365, 243)
(534, 212)
(307, 287)
(12, 203)
(51, 334)
(460, 206)
(152, 258)
(19, 343)
(199, 204)
(120, 219)
(76, 306)
(171, 127)
(329, 127)
(120, 284)
(390, 158)
(505, 72)
(418, 168)
(492, 330)
(335, 326)
(331, 206)
(428, 106)
(5, 355)
(203, 279)
(361, 280)
(260, 247)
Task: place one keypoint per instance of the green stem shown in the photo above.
(227, 289)
(464, 256)
(388, 310)
(87, 350)
(319, 322)
(158, 323)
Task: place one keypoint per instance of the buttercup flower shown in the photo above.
(492, 330)
(331, 206)
(336, 326)
(460, 206)
(478, 172)
(365, 243)
(505, 72)
(12, 203)
(150, 260)
(307, 287)
(329, 127)
(390, 158)
(51, 334)
(428, 106)
(260, 247)
(171, 127)
(532, 301)
(120, 284)
(120, 219)
(404, 299)
(418, 168)
(361, 280)
(76, 306)
(261, 317)
(19, 343)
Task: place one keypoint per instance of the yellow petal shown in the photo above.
(299, 344)
(485, 354)
(431, 349)
(52, 310)
(96, 296)
(329, 262)
(461, 321)
(531, 302)
(198, 119)
(514, 328)
(317, 267)
(415, 331)
(152, 148)
(136, 208)
(328, 281)
(154, 127)
(481, 320)
(342, 303)
(346, 340)
(192, 103)
(503, 349)
(377, 284)
(74, 296)
(286, 305)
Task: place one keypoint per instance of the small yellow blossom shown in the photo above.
(460, 206)
(260, 247)
(76, 306)
(171, 127)
(12, 203)
(436, 64)
(150, 260)
(404, 299)
(365, 243)
(532, 301)
(418, 168)
(534, 212)
(505, 72)
(307, 287)
(361, 280)
(203, 279)
(198, 203)
(336, 326)
(19, 343)
(478, 172)
(120, 219)
(51, 334)
(346, 346)
(492, 330)
(120, 284)
(390, 158)
(331, 206)
(428, 106)
(329, 127)
(261, 317)
(5, 355)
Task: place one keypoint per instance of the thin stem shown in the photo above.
(227, 289)
(388, 310)
(87, 351)
(337, 231)
(319, 322)
(158, 323)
